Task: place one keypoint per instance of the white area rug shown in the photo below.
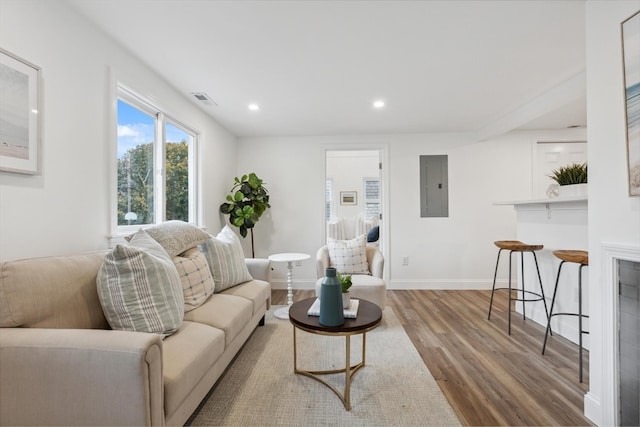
(395, 388)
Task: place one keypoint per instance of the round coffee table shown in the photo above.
(368, 318)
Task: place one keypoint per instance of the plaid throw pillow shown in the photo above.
(197, 283)
(349, 256)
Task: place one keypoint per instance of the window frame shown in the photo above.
(161, 117)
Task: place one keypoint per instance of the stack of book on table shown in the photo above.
(349, 312)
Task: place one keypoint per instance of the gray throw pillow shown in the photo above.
(176, 236)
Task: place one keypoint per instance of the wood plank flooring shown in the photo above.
(489, 377)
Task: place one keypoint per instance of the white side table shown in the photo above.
(289, 258)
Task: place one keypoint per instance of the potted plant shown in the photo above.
(572, 179)
(246, 204)
(345, 283)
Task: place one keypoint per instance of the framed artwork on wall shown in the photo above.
(348, 197)
(19, 115)
(631, 61)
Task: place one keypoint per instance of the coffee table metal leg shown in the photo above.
(349, 370)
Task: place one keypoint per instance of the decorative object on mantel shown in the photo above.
(331, 310)
(345, 283)
(630, 45)
(246, 204)
(572, 180)
(19, 114)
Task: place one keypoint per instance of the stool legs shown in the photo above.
(579, 315)
(553, 301)
(493, 289)
(523, 290)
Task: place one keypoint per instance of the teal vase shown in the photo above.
(331, 310)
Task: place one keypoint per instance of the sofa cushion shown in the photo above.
(256, 291)
(349, 256)
(197, 283)
(226, 312)
(51, 292)
(139, 287)
(226, 259)
(187, 357)
(176, 236)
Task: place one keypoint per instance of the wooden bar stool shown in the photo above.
(578, 257)
(517, 246)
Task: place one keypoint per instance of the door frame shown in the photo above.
(383, 150)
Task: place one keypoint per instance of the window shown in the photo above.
(328, 199)
(155, 165)
(372, 198)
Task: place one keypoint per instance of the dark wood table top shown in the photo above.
(369, 316)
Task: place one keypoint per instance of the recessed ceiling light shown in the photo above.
(378, 104)
(254, 107)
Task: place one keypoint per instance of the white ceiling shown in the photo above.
(315, 67)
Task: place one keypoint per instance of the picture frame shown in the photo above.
(19, 115)
(630, 32)
(348, 197)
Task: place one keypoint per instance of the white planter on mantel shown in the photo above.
(574, 190)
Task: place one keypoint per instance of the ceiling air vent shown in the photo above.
(204, 98)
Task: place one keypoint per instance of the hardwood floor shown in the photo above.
(489, 377)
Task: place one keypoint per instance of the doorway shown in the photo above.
(354, 195)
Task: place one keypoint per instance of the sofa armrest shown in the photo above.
(80, 377)
(259, 268)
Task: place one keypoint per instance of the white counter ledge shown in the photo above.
(553, 200)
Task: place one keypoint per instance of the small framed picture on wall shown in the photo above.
(348, 197)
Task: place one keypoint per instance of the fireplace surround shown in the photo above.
(617, 283)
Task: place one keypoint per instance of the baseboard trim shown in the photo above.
(440, 284)
(592, 408)
(305, 284)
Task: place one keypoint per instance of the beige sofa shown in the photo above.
(60, 364)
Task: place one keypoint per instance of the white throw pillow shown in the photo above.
(176, 236)
(197, 283)
(226, 259)
(349, 256)
(139, 287)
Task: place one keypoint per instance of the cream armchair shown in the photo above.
(370, 287)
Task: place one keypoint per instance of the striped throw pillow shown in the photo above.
(226, 259)
(139, 288)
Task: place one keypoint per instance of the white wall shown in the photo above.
(453, 252)
(614, 217)
(66, 209)
(347, 169)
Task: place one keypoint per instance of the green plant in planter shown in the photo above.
(345, 282)
(575, 173)
(246, 204)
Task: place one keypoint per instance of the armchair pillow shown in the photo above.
(139, 287)
(226, 259)
(349, 256)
